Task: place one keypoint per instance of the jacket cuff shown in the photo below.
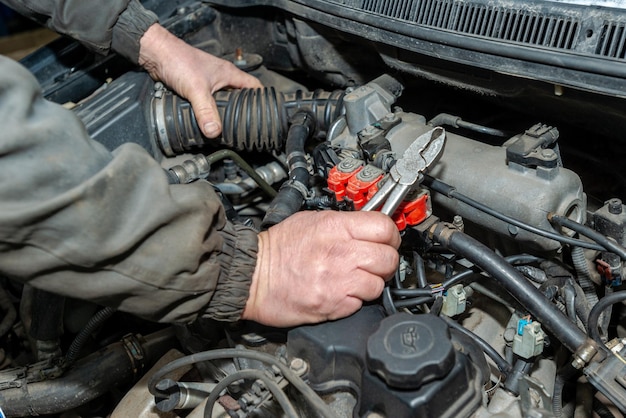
(233, 286)
(129, 28)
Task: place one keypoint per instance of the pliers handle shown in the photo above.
(406, 172)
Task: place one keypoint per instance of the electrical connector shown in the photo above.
(529, 339)
(454, 301)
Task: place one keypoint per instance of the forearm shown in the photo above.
(80, 221)
(116, 25)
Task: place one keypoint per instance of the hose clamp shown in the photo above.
(299, 164)
(135, 353)
(299, 186)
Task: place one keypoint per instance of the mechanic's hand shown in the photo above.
(317, 266)
(192, 73)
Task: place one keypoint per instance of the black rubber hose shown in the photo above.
(514, 259)
(294, 191)
(412, 292)
(420, 270)
(606, 243)
(513, 282)
(47, 315)
(502, 365)
(469, 347)
(449, 191)
(90, 378)
(387, 301)
(81, 338)
(597, 310)
(10, 313)
(569, 295)
(261, 375)
(520, 369)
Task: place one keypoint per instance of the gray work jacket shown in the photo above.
(78, 220)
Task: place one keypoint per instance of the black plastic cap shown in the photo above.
(408, 351)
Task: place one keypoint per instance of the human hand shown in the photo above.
(192, 73)
(318, 266)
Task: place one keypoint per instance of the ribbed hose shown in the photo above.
(601, 409)
(93, 324)
(563, 377)
(583, 277)
(252, 119)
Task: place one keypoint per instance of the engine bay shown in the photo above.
(508, 299)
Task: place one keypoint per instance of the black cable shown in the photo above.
(563, 377)
(396, 278)
(601, 409)
(597, 310)
(457, 122)
(437, 306)
(420, 270)
(271, 385)
(388, 301)
(504, 366)
(230, 154)
(228, 353)
(407, 303)
(93, 324)
(412, 292)
(606, 243)
(449, 191)
(513, 259)
(457, 278)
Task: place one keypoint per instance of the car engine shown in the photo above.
(509, 297)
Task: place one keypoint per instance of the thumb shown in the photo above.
(207, 115)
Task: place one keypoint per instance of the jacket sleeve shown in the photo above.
(116, 25)
(80, 221)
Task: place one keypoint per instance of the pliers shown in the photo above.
(406, 172)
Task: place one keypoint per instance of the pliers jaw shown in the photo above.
(407, 171)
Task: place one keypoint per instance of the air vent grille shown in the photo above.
(612, 40)
(489, 21)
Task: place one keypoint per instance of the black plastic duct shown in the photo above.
(253, 119)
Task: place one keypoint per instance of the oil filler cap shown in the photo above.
(408, 351)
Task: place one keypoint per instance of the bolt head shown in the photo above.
(615, 206)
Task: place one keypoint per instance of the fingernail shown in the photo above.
(211, 129)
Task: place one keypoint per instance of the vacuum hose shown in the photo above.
(293, 192)
(514, 283)
(89, 378)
